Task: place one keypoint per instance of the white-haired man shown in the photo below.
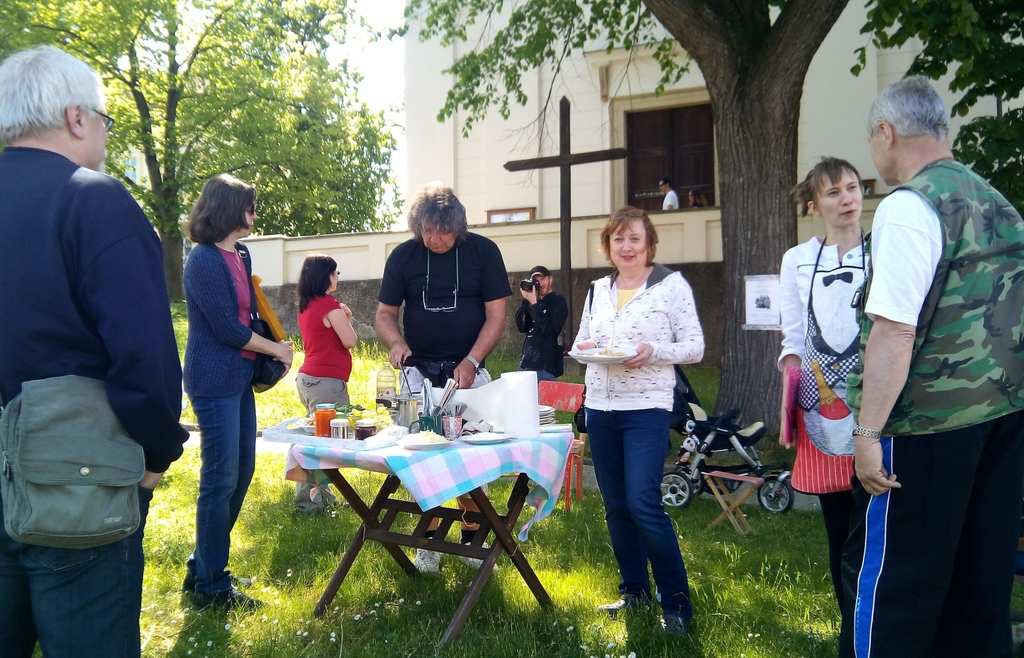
(82, 289)
(939, 440)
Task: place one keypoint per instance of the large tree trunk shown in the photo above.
(173, 266)
(758, 225)
(754, 69)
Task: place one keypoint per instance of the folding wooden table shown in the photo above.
(378, 520)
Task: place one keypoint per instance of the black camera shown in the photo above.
(528, 285)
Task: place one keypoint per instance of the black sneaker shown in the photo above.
(628, 602)
(229, 599)
(675, 625)
(189, 584)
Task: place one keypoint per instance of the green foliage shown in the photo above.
(981, 43)
(534, 32)
(200, 87)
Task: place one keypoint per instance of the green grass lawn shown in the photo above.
(763, 595)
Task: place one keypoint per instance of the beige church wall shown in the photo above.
(685, 236)
(834, 105)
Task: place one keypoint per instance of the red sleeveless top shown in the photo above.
(325, 355)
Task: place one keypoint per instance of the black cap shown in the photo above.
(541, 270)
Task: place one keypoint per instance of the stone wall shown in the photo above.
(706, 279)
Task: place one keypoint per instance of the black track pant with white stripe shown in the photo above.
(929, 567)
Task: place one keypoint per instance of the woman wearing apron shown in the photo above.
(820, 282)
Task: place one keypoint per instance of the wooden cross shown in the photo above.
(564, 161)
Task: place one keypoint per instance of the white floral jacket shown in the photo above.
(661, 314)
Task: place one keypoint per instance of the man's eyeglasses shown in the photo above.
(108, 121)
(455, 292)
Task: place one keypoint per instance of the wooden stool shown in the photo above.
(567, 396)
(574, 473)
(730, 501)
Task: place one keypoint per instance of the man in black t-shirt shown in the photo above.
(454, 288)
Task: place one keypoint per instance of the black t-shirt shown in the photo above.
(444, 335)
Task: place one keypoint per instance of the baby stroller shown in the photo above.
(704, 437)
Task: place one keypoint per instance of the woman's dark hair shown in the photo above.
(220, 209)
(829, 170)
(315, 278)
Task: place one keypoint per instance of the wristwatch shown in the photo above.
(867, 433)
(476, 364)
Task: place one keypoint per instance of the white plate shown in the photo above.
(410, 442)
(485, 438)
(544, 409)
(597, 357)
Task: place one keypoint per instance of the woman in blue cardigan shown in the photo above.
(218, 378)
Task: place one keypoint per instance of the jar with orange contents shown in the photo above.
(322, 416)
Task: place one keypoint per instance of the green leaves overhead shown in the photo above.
(980, 43)
(200, 87)
(488, 72)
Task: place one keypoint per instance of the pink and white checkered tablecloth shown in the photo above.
(435, 476)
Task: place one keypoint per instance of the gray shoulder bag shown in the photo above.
(70, 472)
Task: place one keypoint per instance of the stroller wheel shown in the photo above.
(676, 490)
(775, 495)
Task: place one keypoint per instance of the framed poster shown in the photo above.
(761, 296)
(507, 215)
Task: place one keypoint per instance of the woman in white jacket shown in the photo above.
(645, 310)
(819, 281)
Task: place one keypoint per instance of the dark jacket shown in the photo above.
(82, 291)
(542, 323)
(214, 365)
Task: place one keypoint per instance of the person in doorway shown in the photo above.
(820, 336)
(325, 325)
(83, 293)
(541, 316)
(219, 359)
(671, 200)
(647, 311)
(939, 439)
(696, 199)
(454, 289)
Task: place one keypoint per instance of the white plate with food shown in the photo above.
(424, 441)
(484, 438)
(599, 356)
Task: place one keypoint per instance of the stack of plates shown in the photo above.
(547, 414)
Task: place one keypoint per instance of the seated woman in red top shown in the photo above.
(327, 334)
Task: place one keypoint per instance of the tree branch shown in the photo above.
(96, 58)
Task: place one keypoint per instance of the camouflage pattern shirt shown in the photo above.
(967, 365)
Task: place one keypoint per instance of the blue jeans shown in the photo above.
(74, 602)
(629, 450)
(228, 453)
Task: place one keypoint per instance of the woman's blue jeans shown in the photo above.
(629, 450)
(228, 452)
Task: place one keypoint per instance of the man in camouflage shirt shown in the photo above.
(939, 445)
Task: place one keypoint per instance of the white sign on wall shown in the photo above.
(761, 294)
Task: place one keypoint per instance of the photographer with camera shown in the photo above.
(541, 317)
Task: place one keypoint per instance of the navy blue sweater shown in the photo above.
(82, 292)
(214, 365)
